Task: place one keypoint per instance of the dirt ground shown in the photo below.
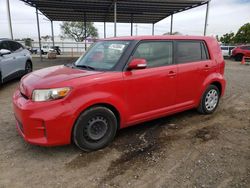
(183, 150)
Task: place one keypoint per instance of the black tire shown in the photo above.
(28, 67)
(1, 81)
(95, 128)
(203, 106)
(238, 57)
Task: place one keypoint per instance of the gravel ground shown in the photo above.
(183, 150)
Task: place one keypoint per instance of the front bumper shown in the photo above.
(43, 123)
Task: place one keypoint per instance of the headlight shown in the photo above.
(49, 94)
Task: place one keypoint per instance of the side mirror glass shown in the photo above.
(4, 52)
(137, 64)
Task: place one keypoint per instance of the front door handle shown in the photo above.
(171, 73)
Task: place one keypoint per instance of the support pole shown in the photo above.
(85, 32)
(38, 31)
(115, 17)
(104, 30)
(153, 29)
(131, 20)
(171, 25)
(52, 33)
(207, 11)
(9, 18)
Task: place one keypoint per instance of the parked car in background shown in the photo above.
(227, 50)
(240, 51)
(56, 49)
(46, 49)
(32, 50)
(15, 60)
(119, 82)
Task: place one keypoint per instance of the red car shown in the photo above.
(118, 82)
(240, 51)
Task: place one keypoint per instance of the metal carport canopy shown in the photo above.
(136, 11)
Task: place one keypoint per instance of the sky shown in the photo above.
(224, 16)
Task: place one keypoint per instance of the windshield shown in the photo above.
(103, 55)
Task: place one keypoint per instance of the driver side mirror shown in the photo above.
(137, 64)
(4, 52)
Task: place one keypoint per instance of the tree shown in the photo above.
(46, 37)
(174, 33)
(243, 34)
(227, 38)
(27, 41)
(76, 30)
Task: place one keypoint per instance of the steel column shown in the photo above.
(207, 11)
(104, 30)
(9, 18)
(85, 32)
(153, 29)
(115, 17)
(38, 31)
(171, 25)
(131, 20)
(52, 33)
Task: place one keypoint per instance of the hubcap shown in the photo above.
(211, 99)
(97, 128)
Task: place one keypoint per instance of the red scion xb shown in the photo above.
(117, 83)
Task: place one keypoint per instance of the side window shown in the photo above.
(4, 45)
(191, 51)
(156, 53)
(15, 46)
(224, 48)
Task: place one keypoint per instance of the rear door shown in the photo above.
(193, 65)
(151, 91)
(19, 56)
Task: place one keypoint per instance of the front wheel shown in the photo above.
(209, 100)
(28, 67)
(95, 128)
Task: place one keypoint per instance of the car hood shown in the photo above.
(50, 77)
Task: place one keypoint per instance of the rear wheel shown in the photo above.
(28, 67)
(95, 128)
(210, 100)
(238, 57)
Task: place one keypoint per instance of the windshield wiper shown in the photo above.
(85, 66)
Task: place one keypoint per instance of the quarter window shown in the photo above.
(156, 53)
(191, 51)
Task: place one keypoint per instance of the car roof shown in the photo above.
(161, 37)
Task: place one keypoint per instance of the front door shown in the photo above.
(151, 91)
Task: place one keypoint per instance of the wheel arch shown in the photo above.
(100, 104)
(218, 85)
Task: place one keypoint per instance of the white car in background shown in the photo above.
(227, 50)
(15, 60)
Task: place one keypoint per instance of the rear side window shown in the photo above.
(156, 53)
(191, 51)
